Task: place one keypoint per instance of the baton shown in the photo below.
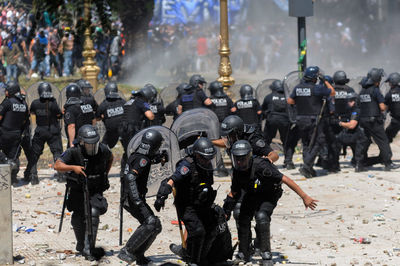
(314, 134)
(67, 188)
(121, 213)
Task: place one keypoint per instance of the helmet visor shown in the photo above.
(241, 163)
(204, 162)
(91, 148)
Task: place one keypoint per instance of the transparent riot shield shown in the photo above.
(32, 93)
(158, 172)
(290, 81)
(235, 92)
(169, 93)
(2, 94)
(355, 84)
(194, 123)
(99, 97)
(263, 89)
(384, 88)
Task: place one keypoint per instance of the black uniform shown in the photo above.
(89, 99)
(47, 130)
(157, 107)
(309, 100)
(372, 121)
(221, 106)
(97, 175)
(354, 138)
(111, 112)
(172, 109)
(78, 113)
(259, 189)
(247, 110)
(194, 202)
(392, 100)
(192, 98)
(134, 198)
(275, 111)
(15, 118)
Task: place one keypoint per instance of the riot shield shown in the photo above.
(158, 172)
(384, 88)
(290, 81)
(2, 94)
(263, 89)
(194, 123)
(99, 97)
(355, 84)
(32, 93)
(234, 92)
(169, 93)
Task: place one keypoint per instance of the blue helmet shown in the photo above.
(311, 73)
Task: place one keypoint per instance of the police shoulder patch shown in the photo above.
(67, 115)
(184, 170)
(143, 162)
(260, 143)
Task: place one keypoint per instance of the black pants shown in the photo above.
(331, 148)
(356, 140)
(42, 136)
(306, 126)
(10, 141)
(111, 138)
(373, 127)
(287, 135)
(392, 130)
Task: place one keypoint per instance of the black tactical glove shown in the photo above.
(334, 120)
(161, 158)
(229, 205)
(162, 194)
(321, 78)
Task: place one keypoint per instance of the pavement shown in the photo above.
(352, 208)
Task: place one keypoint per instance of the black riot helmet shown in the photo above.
(203, 152)
(277, 86)
(375, 75)
(153, 91)
(12, 87)
(241, 155)
(246, 92)
(196, 80)
(181, 88)
(147, 93)
(44, 91)
(327, 78)
(363, 82)
(85, 86)
(311, 73)
(232, 129)
(151, 143)
(216, 89)
(393, 79)
(73, 90)
(89, 139)
(111, 90)
(340, 78)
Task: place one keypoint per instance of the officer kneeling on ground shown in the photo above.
(134, 191)
(193, 180)
(90, 160)
(260, 181)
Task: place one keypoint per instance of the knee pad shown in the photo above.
(262, 217)
(154, 224)
(236, 211)
(95, 212)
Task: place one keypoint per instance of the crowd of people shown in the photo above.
(52, 50)
(327, 116)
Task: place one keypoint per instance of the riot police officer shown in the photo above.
(248, 108)
(47, 129)
(309, 100)
(392, 100)
(275, 111)
(352, 134)
(193, 180)
(222, 104)
(76, 113)
(371, 118)
(156, 106)
(111, 111)
(257, 182)
(193, 95)
(172, 108)
(14, 118)
(90, 160)
(134, 197)
(86, 95)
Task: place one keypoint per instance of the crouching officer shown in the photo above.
(90, 160)
(47, 129)
(193, 180)
(111, 111)
(14, 118)
(134, 197)
(260, 183)
(352, 134)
